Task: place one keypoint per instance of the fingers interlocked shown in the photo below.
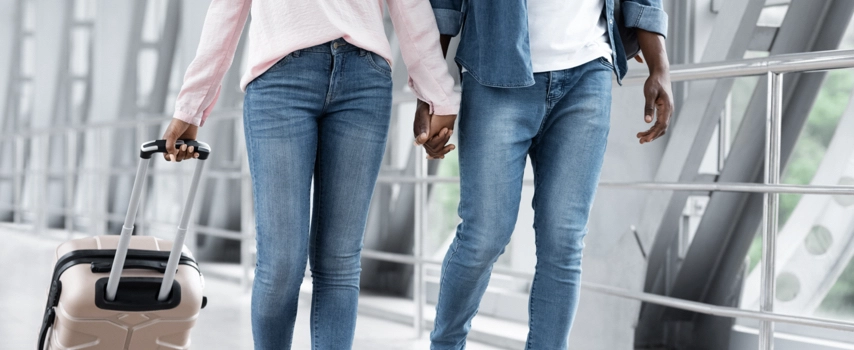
(437, 146)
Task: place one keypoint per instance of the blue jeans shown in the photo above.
(320, 113)
(562, 123)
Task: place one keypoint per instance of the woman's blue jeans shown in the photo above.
(320, 114)
(562, 123)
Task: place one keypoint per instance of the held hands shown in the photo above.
(433, 131)
(179, 129)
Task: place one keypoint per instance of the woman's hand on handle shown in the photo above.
(179, 129)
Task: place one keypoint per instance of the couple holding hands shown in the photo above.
(536, 80)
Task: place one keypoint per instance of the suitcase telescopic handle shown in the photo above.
(146, 150)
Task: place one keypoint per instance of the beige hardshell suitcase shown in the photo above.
(137, 306)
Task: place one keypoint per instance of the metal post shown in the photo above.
(127, 231)
(140, 216)
(418, 286)
(178, 243)
(724, 132)
(18, 183)
(70, 164)
(770, 206)
(40, 151)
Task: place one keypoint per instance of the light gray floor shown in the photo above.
(25, 268)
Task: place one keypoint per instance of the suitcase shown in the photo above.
(126, 292)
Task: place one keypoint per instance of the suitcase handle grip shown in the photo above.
(159, 266)
(159, 146)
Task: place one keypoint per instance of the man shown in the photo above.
(536, 82)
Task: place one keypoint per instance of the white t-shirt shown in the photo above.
(566, 33)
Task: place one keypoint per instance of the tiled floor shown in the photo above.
(25, 267)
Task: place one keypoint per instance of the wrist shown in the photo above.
(659, 68)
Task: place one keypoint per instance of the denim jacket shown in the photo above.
(494, 46)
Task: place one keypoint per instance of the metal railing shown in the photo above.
(773, 67)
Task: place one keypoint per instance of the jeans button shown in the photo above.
(335, 45)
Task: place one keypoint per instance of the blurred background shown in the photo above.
(84, 82)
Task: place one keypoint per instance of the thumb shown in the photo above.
(171, 151)
(422, 125)
(649, 106)
(171, 136)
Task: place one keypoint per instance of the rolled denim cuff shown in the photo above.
(648, 18)
(449, 21)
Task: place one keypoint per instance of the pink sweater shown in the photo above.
(280, 27)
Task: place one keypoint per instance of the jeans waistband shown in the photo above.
(331, 47)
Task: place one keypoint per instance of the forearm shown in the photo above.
(654, 51)
(428, 72)
(223, 24)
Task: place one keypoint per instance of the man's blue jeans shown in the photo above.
(562, 123)
(320, 113)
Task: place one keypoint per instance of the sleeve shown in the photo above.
(202, 82)
(645, 14)
(448, 16)
(419, 43)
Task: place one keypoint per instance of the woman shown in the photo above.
(317, 106)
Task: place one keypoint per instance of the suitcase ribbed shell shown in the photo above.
(80, 324)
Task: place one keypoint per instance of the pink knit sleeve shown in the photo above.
(202, 82)
(418, 36)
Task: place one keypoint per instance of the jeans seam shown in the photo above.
(529, 344)
(248, 128)
(331, 85)
(318, 206)
(456, 247)
(536, 139)
(247, 124)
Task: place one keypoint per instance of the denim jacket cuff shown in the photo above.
(648, 18)
(449, 21)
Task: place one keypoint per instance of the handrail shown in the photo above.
(667, 186)
(788, 63)
(641, 296)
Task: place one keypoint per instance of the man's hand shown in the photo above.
(433, 131)
(421, 126)
(179, 129)
(436, 146)
(656, 90)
